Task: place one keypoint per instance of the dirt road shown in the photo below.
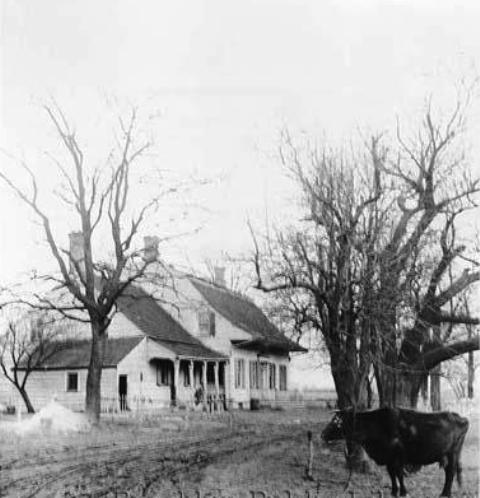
(254, 455)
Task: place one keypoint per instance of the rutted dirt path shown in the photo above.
(140, 467)
(256, 455)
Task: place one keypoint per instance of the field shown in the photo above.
(245, 454)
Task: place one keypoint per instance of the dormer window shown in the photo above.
(206, 322)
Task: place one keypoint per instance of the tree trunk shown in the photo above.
(345, 385)
(94, 376)
(424, 389)
(435, 398)
(26, 399)
(470, 375)
(400, 387)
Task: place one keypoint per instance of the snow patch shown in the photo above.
(53, 417)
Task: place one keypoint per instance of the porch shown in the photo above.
(190, 383)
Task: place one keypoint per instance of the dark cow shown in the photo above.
(401, 438)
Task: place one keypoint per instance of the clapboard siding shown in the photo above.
(43, 386)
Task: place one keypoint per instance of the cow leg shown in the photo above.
(392, 474)
(449, 473)
(400, 474)
(459, 473)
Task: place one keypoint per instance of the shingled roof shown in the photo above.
(148, 315)
(245, 315)
(76, 353)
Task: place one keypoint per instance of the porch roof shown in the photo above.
(268, 346)
(191, 351)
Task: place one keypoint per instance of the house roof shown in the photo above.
(148, 315)
(245, 315)
(76, 353)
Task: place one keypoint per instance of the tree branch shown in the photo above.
(446, 352)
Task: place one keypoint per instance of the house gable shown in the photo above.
(244, 315)
(156, 323)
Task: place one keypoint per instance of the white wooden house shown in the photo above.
(200, 336)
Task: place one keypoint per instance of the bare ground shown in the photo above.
(247, 454)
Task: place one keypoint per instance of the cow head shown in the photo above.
(340, 426)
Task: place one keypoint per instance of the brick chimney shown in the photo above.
(219, 275)
(76, 251)
(150, 251)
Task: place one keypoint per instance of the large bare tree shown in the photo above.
(422, 266)
(98, 196)
(367, 264)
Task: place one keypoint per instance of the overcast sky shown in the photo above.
(224, 78)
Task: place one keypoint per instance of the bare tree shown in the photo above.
(26, 343)
(367, 264)
(92, 284)
(316, 267)
(436, 188)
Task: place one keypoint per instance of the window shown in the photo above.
(206, 322)
(240, 373)
(212, 324)
(164, 373)
(271, 376)
(72, 381)
(283, 378)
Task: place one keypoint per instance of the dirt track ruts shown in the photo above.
(133, 470)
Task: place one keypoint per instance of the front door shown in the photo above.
(122, 391)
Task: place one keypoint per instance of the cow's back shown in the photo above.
(428, 437)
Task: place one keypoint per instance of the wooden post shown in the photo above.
(226, 381)
(217, 380)
(217, 386)
(190, 373)
(191, 378)
(176, 377)
(204, 381)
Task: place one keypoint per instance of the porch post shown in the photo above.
(190, 373)
(217, 385)
(204, 375)
(226, 380)
(217, 382)
(176, 377)
(204, 381)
